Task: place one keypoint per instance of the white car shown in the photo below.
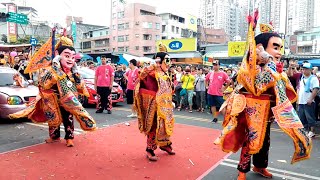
(14, 98)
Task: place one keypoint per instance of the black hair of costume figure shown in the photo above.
(133, 61)
(263, 38)
(161, 55)
(1, 56)
(62, 48)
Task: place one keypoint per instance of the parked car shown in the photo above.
(88, 76)
(14, 98)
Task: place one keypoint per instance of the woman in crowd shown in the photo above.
(200, 89)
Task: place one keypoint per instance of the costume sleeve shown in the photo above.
(80, 85)
(47, 78)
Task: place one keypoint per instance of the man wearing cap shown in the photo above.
(103, 83)
(308, 89)
(216, 81)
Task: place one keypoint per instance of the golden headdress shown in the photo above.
(162, 48)
(266, 28)
(64, 41)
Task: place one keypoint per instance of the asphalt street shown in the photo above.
(20, 134)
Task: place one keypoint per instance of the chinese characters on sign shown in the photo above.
(12, 27)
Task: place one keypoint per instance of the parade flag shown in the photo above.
(41, 59)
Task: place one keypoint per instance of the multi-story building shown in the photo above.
(70, 19)
(223, 14)
(81, 29)
(134, 28)
(211, 36)
(306, 42)
(38, 29)
(302, 15)
(97, 40)
(316, 14)
(270, 11)
(177, 26)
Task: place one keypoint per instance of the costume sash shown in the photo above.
(164, 102)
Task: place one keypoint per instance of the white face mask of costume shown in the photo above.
(66, 60)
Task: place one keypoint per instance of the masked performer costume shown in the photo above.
(59, 86)
(153, 102)
(263, 92)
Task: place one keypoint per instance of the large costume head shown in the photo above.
(67, 56)
(162, 58)
(270, 41)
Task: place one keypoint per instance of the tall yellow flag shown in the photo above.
(41, 59)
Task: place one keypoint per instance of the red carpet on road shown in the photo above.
(116, 152)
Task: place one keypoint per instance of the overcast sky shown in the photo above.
(98, 11)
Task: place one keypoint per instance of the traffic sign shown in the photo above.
(33, 41)
(17, 18)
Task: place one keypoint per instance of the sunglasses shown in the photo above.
(215, 64)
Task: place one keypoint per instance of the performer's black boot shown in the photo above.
(151, 155)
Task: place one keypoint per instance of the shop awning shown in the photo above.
(185, 55)
(314, 62)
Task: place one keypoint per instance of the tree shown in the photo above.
(23, 40)
(4, 38)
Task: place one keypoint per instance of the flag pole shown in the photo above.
(53, 35)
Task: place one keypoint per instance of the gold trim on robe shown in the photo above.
(46, 107)
(150, 104)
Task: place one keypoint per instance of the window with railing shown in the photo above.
(120, 49)
(147, 37)
(86, 45)
(158, 26)
(121, 14)
(147, 25)
(120, 38)
(120, 27)
(146, 48)
(126, 26)
(101, 43)
(163, 28)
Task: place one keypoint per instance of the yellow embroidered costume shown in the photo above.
(57, 90)
(260, 93)
(153, 102)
